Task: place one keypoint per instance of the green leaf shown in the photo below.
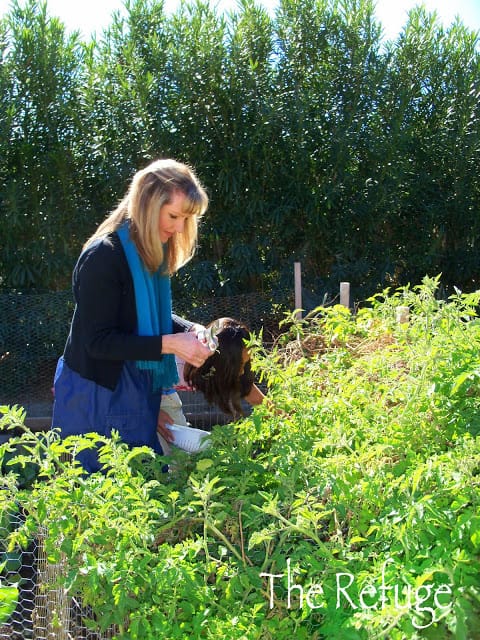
(8, 601)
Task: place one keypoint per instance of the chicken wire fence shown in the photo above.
(44, 609)
(34, 328)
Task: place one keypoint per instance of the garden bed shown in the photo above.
(349, 507)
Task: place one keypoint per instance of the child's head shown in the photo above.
(225, 377)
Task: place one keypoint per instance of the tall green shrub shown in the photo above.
(241, 228)
(431, 118)
(330, 74)
(41, 192)
(317, 142)
(125, 100)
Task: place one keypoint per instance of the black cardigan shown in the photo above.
(103, 329)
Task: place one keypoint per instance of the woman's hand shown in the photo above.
(187, 347)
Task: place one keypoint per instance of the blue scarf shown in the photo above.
(153, 299)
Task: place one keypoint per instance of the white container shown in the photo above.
(188, 438)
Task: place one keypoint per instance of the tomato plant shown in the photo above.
(346, 508)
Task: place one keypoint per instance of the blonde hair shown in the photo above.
(150, 189)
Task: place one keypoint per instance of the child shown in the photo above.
(225, 378)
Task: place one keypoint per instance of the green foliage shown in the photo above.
(8, 601)
(348, 507)
(41, 193)
(316, 142)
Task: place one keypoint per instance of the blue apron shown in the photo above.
(82, 406)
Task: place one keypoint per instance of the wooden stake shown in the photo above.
(345, 294)
(402, 314)
(297, 270)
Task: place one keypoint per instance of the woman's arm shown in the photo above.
(187, 347)
(106, 316)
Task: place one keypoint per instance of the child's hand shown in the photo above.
(162, 421)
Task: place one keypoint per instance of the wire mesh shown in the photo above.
(33, 331)
(19, 568)
(51, 614)
(34, 328)
(45, 610)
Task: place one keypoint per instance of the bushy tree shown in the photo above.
(317, 141)
(41, 191)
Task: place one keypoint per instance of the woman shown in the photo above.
(120, 352)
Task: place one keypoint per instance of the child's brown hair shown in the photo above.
(224, 378)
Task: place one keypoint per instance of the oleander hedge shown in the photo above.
(318, 142)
